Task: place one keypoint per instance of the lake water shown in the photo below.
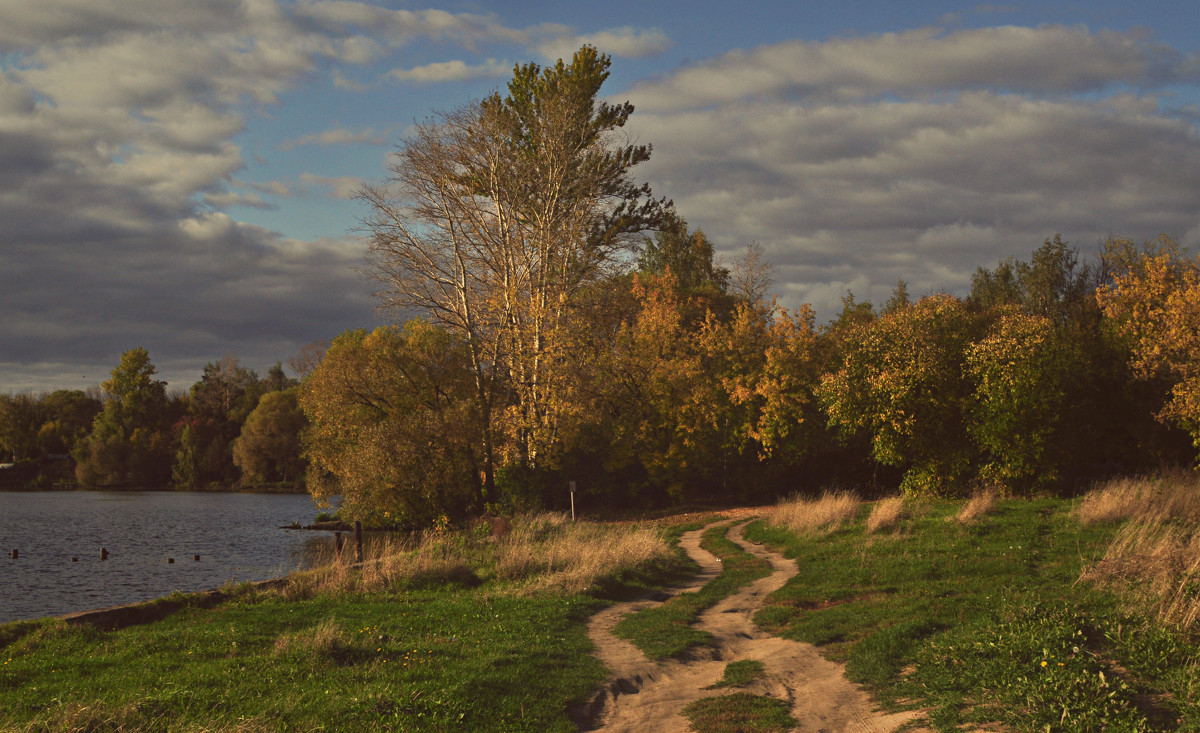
(237, 537)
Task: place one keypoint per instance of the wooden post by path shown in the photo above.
(358, 541)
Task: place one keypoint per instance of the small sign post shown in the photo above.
(572, 485)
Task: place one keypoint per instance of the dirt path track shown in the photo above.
(642, 696)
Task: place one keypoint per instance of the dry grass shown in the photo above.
(1155, 556)
(548, 552)
(533, 553)
(979, 505)
(815, 516)
(1173, 494)
(386, 563)
(885, 514)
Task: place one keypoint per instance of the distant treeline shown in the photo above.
(232, 428)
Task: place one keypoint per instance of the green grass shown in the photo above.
(740, 674)
(740, 712)
(959, 619)
(666, 630)
(413, 661)
(410, 656)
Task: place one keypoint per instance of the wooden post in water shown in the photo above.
(14, 555)
(337, 543)
(357, 541)
(103, 553)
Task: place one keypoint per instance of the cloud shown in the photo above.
(625, 42)
(340, 187)
(451, 71)
(1044, 60)
(852, 174)
(338, 136)
(118, 121)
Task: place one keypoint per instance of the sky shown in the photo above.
(180, 174)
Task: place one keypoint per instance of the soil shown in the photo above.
(644, 696)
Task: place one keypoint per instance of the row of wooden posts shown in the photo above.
(15, 554)
(337, 542)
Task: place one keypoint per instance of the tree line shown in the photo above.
(570, 326)
(231, 428)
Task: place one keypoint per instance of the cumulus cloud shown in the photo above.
(451, 71)
(118, 121)
(626, 42)
(1044, 60)
(853, 174)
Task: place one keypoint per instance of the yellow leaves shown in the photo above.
(1154, 301)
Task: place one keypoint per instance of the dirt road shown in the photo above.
(643, 696)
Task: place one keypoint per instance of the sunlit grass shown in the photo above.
(885, 514)
(1154, 559)
(815, 516)
(956, 618)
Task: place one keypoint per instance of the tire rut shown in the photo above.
(644, 696)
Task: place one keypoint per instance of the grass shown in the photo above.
(958, 617)
(1154, 560)
(740, 673)
(981, 504)
(818, 516)
(885, 514)
(666, 630)
(740, 712)
(453, 633)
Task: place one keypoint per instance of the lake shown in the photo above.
(237, 537)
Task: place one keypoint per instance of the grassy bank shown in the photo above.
(482, 630)
(977, 612)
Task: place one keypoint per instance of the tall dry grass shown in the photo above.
(981, 503)
(531, 554)
(549, 552)
(1171, 494)
(821, 516)
(885, 514)
(1155, 556)
(387, 563)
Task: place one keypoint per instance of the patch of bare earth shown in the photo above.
(643, 696)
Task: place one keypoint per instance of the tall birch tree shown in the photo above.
(495, 216)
